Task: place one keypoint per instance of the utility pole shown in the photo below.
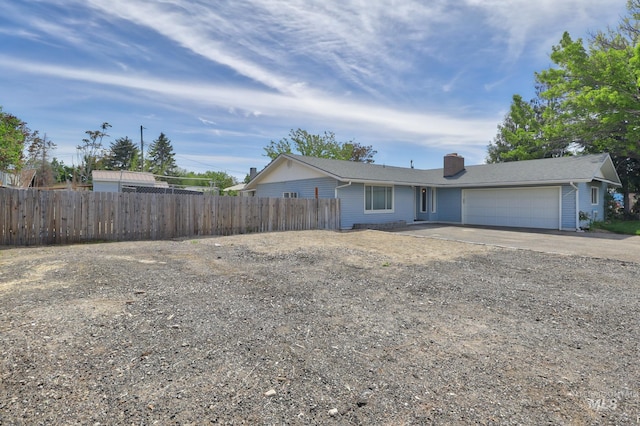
(141, 150)
(44, 159)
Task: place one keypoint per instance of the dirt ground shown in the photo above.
(316, 328)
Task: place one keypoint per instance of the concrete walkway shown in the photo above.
(589, 244)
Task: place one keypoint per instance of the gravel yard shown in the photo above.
(316, 327)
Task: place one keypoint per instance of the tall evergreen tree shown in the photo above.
(123, 155)
(527, 132)
(161, 159)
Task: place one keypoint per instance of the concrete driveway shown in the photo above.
(589, 244)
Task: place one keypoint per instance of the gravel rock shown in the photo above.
(391, 329)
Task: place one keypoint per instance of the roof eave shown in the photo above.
(510, 183)
(250, 186)
(318, 169)
(381, 182)
(609, 182)
(124, 181)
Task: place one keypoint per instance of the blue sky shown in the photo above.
(414, 79)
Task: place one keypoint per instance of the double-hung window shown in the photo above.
(378, 199)
(594, 195)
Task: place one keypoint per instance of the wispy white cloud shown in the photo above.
(21, 33)
(207, 122)
(196, 28)
(264, 40)
(535, 26)
(413, 124)
(412, 72)
(298, 46)
(57, 31)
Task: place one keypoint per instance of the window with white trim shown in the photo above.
(378, 198)
(290, 194)
(594, 195)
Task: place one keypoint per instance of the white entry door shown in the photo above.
(537, 207)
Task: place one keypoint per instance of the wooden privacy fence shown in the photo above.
(33, 217)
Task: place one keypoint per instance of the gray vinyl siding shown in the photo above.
(448, 205)
(352, 206)
(404, 207)
(568, 208)
(305, 188)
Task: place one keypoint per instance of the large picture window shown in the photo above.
(378, 198)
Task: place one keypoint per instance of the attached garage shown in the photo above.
(526, 207)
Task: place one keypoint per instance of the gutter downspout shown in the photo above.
(577, 206)
(340, 187)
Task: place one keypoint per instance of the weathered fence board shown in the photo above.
(34, 217)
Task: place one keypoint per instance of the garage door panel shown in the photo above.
(515, 207)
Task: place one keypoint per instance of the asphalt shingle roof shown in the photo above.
(583, 168)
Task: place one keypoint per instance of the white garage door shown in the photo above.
(520, 207)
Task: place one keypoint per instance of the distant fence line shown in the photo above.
(36, 217)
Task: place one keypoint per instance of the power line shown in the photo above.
(210, 165)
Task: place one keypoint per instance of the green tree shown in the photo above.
(91, 151)
(61, 172)
(527, 132)
(323, 146)
(589, 100)
(161, 159)
(208, 179)
(600, 107)
(123, 155)
(14, 135)
(353, 151)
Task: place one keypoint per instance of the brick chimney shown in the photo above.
(453, 164)
(253, 171)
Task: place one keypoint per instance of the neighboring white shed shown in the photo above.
(115, 180)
